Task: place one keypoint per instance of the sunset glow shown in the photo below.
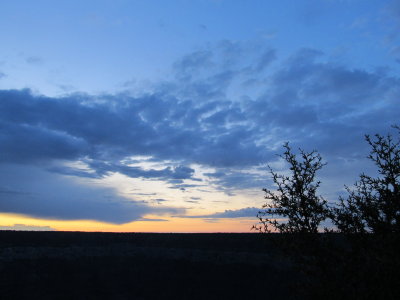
(143, 116)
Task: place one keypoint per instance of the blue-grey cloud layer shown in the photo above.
(227, 107)
(35, 192)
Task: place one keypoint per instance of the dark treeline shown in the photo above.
(235, 242)
(84, 265)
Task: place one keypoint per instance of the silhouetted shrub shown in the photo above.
(374, 203)
(296, 198)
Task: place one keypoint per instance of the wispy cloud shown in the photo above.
(36, 60)
(23, 227)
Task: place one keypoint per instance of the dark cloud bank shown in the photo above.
(220, 111)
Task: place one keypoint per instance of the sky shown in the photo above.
(162, 116)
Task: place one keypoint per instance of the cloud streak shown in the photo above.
(248, 212)
(23, 227)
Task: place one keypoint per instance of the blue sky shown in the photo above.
(127, 112)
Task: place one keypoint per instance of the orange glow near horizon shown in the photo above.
(178, 225)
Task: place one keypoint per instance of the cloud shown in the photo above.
(203, 27)
(152, 220)
(393, 9)
(192, 63)
(206, 115)
(38, 193)
(27, 143)
(171, 174)
(265, 60)
(184, 186)
(23, 227)
(215, 174)
(248, 212)
(237, 180)
(113, 128)
(159, 200)
(307, 101)
(389, 23)
(36, 60)
(144, 194)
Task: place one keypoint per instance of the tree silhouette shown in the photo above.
(295, 200)
(374, 203)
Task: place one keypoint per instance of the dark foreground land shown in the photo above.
(76, 265)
